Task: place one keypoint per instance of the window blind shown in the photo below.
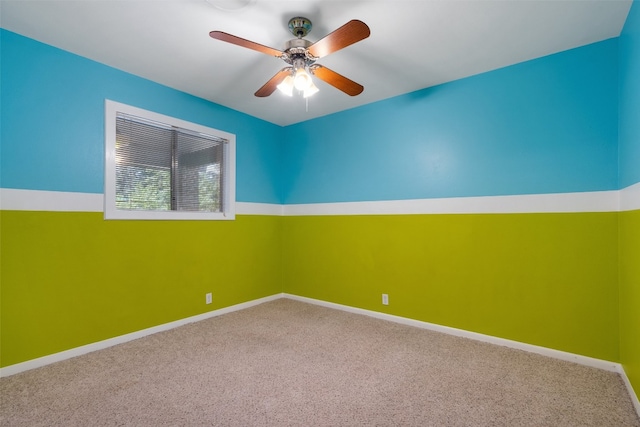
(163, 167)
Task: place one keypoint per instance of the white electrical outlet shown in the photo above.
(209, 298)
(385, 299)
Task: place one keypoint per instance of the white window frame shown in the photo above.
(229, 190)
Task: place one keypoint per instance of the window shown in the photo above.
(159, 167)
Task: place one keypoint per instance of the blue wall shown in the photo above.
(53, 122)
(630, 99)
(544, 126)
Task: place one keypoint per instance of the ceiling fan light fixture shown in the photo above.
(311, 90)
(302, 79)
(286, 86)
(301, 55)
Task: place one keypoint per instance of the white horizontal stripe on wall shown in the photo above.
(593, 201)
(37, 200)
(60, 201)
(630, 198)
(246, 208)
(597, 201)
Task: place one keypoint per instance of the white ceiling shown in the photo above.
(413, 44)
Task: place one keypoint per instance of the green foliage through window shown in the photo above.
(139, 188)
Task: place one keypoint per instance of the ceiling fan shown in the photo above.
(301, 56)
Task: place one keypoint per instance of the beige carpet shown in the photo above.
(287, 363)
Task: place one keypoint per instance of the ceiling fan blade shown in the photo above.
(337, 80)
(225, 37)
(350, 33)
(269, 87)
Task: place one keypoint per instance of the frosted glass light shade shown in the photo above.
(302, 79)
(311, 90)
(286, 86)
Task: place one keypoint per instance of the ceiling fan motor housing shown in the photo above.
(297, 43)
(295, 52)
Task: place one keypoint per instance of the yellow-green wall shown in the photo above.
(70, 279)
(543, 279)
(630, 295)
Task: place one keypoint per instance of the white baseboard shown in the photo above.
(67, 354)
(100, 345)
(556, 354)
(544, 351)
(632, 392)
